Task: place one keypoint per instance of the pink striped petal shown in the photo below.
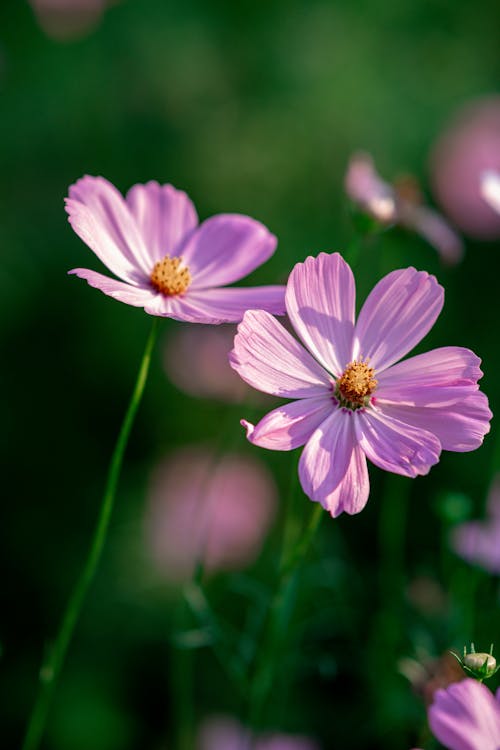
(229, 304)
(119, 290)
(466, 716)
(396, 446)
(459, 426)
(101, 218)
(397, 314)
(326, 459)
(320, 301)
(225, 248)
(268, 358)
(165, 217)
(352, 493)
(291, 425)
(431, 378)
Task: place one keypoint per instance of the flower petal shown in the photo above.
(394, 445)
(101, 218)
(267, 357)
(352, 493)
(326, 459)
(397, 314)
(459, 426)
(164, 215)
(291, 425)
(320, 301)
(229, 304)
(466, 716)
(430, 378)
(225, 248)
(119, 290)
(490, 188)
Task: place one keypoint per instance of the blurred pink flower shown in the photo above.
(466, 716)
(68, 19)
(209, 510)
(196, 361)
(479, 542)
(490, 188)
(225, 733)
(396, 204)
(168, 264)
(468, 146)
(353, 401)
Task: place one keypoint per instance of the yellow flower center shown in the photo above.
(356, 385)
(170, 276)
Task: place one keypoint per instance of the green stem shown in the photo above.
(50, 671)
(266, 661)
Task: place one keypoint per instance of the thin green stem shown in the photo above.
(276, 619)
(51, 669)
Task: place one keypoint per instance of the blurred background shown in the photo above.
(251, 107)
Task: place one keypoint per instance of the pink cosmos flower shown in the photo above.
(400, 204)
(353, 401)
(479, 542)
(490, 188)
(466, 716)
(166, 263)
(204, 509)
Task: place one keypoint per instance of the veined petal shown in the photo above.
(268, 358)
(326, 458)
(320, 301)
(229, 304)
(165, 217)
(352, 493)
(430, 378)
(466, 716)
(119, 290)
(459, 426)
(101, 218)
(394, 445)
(291, 425)
(225, 248)
(397, 314)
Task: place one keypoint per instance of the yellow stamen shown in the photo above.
(170, 276)
(356, 384)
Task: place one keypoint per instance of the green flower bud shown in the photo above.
(479, 665)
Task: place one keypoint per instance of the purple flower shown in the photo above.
(479, 542)
(466, 716)
(168, 264)
(402, 205)
(353, 401)
(490, 188)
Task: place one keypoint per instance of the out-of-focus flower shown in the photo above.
(209, 510)
(400, 204)
(468, 146)
(353, 401)
(168, 264)
(68, 19)
(466, 716)
(225, 733)
(196, 361)
(478, 542)
(490, 188)
(427, 674)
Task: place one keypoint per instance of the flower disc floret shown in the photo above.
(170, 276)
(355, 386)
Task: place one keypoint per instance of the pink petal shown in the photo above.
(352, 493)
(164, 215)
(459, 426)
(101, 218)
(394, 445)
(397, 314)
(229, 304)
(225, 248)
(119, 290)
(291, 425)
(490, 188)
(267, 357)
(320, 301)
(326, 459)
(466, 716)
(430, 378)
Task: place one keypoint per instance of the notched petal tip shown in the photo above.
(249, 427)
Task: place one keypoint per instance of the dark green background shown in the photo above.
(252, 107)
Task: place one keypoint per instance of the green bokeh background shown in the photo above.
(250, 107)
